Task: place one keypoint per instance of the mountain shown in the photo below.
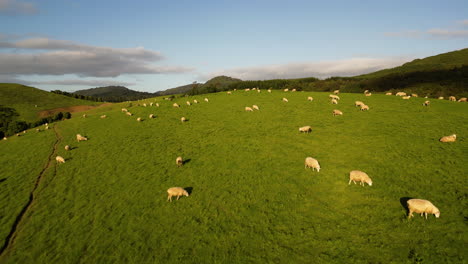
(177, 90)
(115, 93)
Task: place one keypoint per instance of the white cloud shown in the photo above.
(59, 57)
(463, 22)
(91, 83)
(433, 33)
(444, 33)
(323, 69)
(15, 7)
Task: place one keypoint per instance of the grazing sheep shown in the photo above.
(285, 100)
(188, 103)
(124, 110)
(24, 131)
(452, 98)
(129, 114)
(450, 138)
(151, 116)
(463, 99)
(255, 107)
(151, 104)
(310, 98)
(414, 95)
(17, 134)
(364, 107)
(67, 147)
(358, 103)
(368, 94)
(366, 91)
(305, 129)
(46, 127)
(421, 206)
(406, 97)
(334, 101)
(103, 116)
(60, 159)
(336, 97)
(80, 138)
(312, 163)
(179, 161)
(175, 105)
(293, 90)
(286, 90)
(4, 138)
(337, 112)
(229, 93)
(441, 98)
(426, 103)
(253, 89)
(269, 90)
(359, 176)
(400, 94)
(259, 91)
(248, 109)
(388, 93)
(139, 119)
(183, 119)
(206, 100)
(38, 130)
(176, 191)
(157, 104)
(247, 89)
(84, 115)
(144, 104)
(336, 91)
(195, 101)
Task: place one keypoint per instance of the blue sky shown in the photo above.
(156, 45)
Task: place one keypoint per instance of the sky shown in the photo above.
(154, 45)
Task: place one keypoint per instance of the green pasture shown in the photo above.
(252, 200)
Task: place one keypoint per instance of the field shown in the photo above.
(252, 200)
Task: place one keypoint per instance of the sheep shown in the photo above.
(359, 176)
(38, 130)
(195, 101)
(368, 94)
(5, 138)
(255, 107)
(269, 90)
(60, 159)
(358, 103)
(188, 103)
(176, 191)
(179, 161)
(334, 101)
(312, 163)
(144, 104)
(463, 99)
(46, 127)
(80, 138)
(366, 91)
(400, 94)
(259, 91)
(388, 93)
(183, 119)
(103, 116)
(253, 89)
(248, 109)
(336, 97)
(310, 98)
(337, 112)
(129, 114)
(293, 90)
(67, 147)
(450, 138)
(441, 98)
(84, 115)
(421, 206)
(336, 91)
(286, 90)
(414, 95)
(305, 129)
(175, 105)
(229, 92)
(426, 103)
(285, 100)
(452, 98)
(364, 107)
(157, 104)
(247, 89)
(151, 116)
(206, 100)
(406, 97)
(139, 119)
(151, 104)
(124, 110)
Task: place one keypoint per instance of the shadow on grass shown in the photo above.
(403, 202)
(72, 148)
(186, 161)
(2, 180)
(189, 190)
(68, 159)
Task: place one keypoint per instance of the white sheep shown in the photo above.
(414, 95)
(332, 96)
(337, 112)
(144, 104)
(400, 94)
(60, 159)
(441, 98)
(206, 100)
(247, 89)
(183, 119)
(67, 147)
(426, 103)
(421, 206)
(269, 90)
(463, 99)
(285, 100)
(259, 91)
(336, 91)
(359, 176)
(176, 191)
(334, 101)
(157, 104)
(5, 138)
(139, 119)
(406, 97)
(84, 115)
(151, 116)
(286, 90)
(305, 129)
(389, 93)
(195, 101)
(450, 138)
(358, 103)
(175, 105)
(124, 110)
(179, 161)
(151, 104)
(293, 90)
(366, 91)
(229, 92)
(103, 116)
(80, 138)
(255, 107)
(248, 109)
(129, 114)
(364, 107)
(368, 94)
(188, 103)
(310, 98)
(312, 163)
(452, 98)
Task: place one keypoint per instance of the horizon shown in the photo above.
(152, 46)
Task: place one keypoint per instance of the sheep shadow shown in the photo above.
(189, 190)
(68, 159)
(2, 180)
(72, 148)
(186, 161)
(403, 202)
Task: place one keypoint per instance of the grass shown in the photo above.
(251, 198)
(24, 100)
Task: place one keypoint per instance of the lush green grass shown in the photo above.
(251, 198)
(24, 99)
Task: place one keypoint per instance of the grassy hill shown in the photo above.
(29, 101)
(251, 199)
(115, 93)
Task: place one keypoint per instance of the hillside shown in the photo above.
(250, 198)
(177, 90)
(115, 93)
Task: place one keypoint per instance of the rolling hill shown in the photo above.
(115, 93)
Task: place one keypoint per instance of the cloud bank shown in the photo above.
(15, 7)
(434, 33)
(323, 69)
